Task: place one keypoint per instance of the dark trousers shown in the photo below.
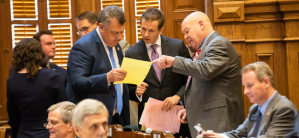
(118, 119)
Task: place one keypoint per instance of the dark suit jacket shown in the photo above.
(171, 83)
(214, 94)
(29, 99)
(279, 120)
(88, 66)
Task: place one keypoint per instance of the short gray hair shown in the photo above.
(110, 12)
(87, 107)
(66, 110)
(262, 70)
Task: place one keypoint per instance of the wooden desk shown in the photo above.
(5, 131)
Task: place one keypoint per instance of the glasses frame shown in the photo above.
(79, 32)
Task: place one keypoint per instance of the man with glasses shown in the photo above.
(87, 22)
(94, 65)
(60, 120)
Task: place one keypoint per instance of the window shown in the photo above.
(140, 7)
(27, 19)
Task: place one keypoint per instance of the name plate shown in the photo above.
(109, 133)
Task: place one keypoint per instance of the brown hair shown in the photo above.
(28, 53)
(89, 15)
(40, 33)
(153, 14)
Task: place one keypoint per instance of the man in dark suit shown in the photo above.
(213, 95)
(48, 43)
(94, 64)
(272, 115)
(162, 84)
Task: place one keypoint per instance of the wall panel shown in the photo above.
(269, 33)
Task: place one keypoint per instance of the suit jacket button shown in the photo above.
(113, 96)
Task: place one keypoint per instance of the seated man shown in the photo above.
(90, 119)
(272, 115)
(60, 120)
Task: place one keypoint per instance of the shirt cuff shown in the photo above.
(224, 136)
(139, 98)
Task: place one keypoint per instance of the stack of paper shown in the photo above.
(153, 117)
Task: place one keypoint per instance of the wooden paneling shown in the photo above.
(176, 13)
(269, 33)
(182, 6)
(229, 11)
(5, 54)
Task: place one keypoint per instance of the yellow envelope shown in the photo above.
(137, 70)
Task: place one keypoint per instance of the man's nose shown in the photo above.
(101, 131)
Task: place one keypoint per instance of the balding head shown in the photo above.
(196, 27)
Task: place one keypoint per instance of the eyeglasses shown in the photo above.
(51, 124)
(85, 29)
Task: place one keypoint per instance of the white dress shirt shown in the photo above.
(116, 62)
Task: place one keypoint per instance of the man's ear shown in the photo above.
(77, 131)
(101, 27)
(201, 24)
(71, 126)
(267, 82)
(161, 30)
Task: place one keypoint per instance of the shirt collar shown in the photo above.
(158, 42)
(206, 39)
(105, 45)
(265, 105)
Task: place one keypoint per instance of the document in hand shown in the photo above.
(136, 70)
(156, 119)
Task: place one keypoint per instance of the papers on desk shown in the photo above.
(136, 70)
(153, 117)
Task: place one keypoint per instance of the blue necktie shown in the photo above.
(258, 122)
(119, 100)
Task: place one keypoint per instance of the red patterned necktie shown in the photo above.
(189, 77)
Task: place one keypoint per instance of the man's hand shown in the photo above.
(182, 116)
(211, 134)
(169, 102)
(141, 88)
(116, 75)
(164, 61)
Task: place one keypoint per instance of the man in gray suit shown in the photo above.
(272, 115)
(213, 95)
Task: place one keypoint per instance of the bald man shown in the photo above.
(213, 94)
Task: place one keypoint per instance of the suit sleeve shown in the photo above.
(184, 53)
(132, 87)
(79, 67)
(60, 89)
(241, 131)
(13, 114)
(214, 63)
(283, 124)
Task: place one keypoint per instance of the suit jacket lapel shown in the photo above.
(214, 34)
(145, 57)
(120, 54)
(165, 51)
(269, 109)
(101, 49)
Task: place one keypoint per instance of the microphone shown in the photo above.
(148, 131)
